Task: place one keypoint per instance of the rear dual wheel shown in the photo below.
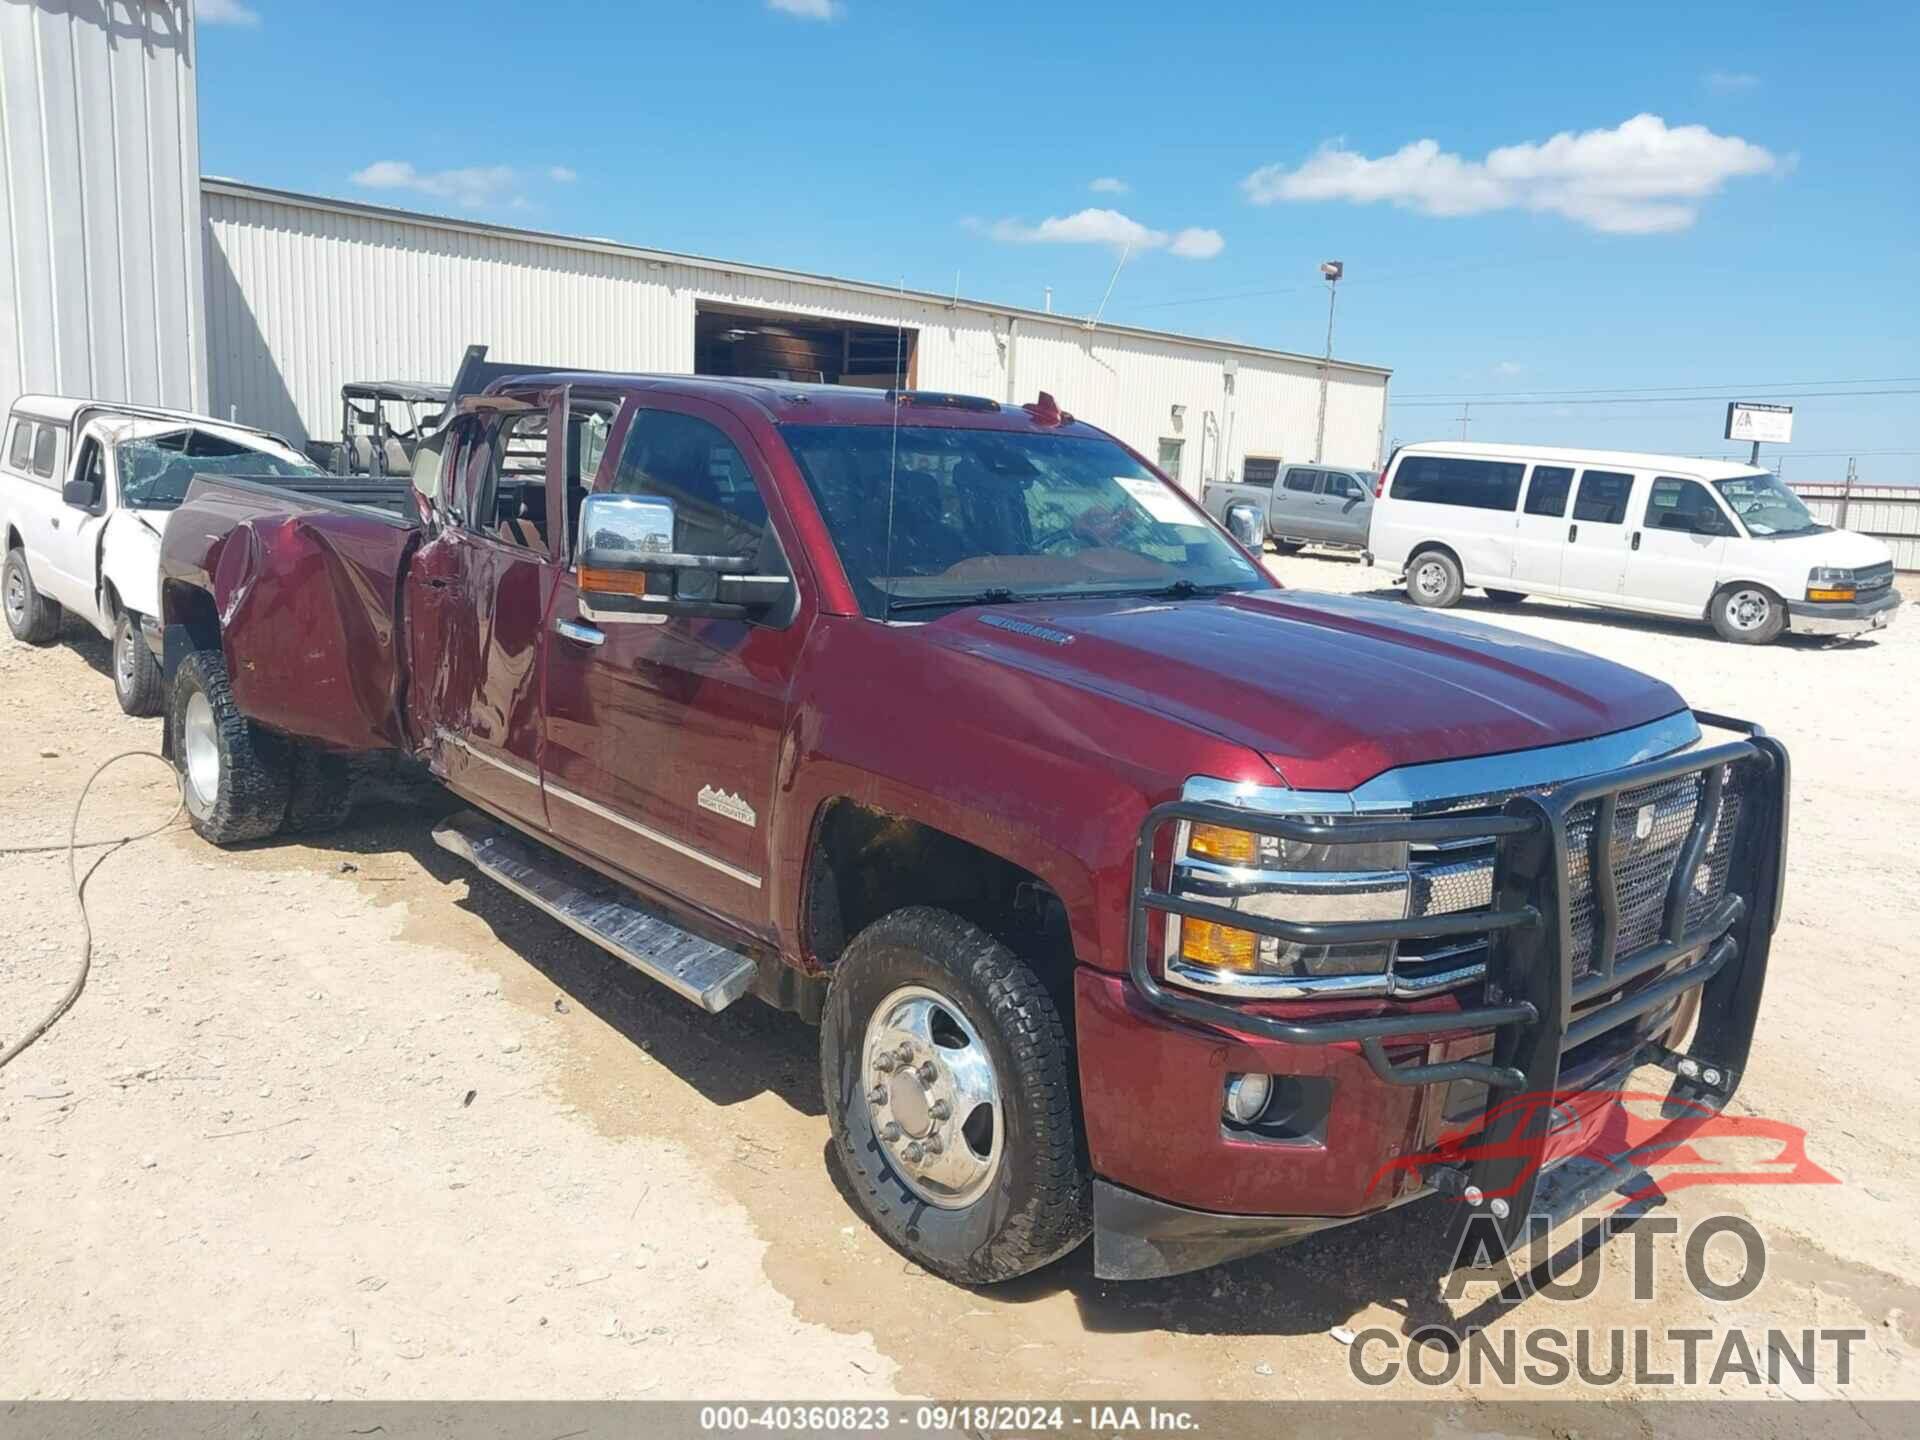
(242, 782)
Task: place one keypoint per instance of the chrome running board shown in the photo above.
(710, 975)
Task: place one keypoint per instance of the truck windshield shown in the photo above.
(1766, 507)
(155, 472)
(984, 516)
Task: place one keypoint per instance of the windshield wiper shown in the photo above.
(1185, 589)
(998, 595)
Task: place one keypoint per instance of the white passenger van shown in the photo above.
(1660, 534)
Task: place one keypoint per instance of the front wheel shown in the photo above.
(1748, 615)
(949, 1086)
(31, 616)
(234, 775)
(136, 674)
(1434, 580)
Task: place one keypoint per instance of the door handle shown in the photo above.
(56, 522)
(584, 634)
(1573, 533)
(1636, 539)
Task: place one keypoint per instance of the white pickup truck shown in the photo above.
(86, 488)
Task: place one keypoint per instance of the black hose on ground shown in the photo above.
(78, 884)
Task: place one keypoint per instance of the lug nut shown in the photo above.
(905, 1052)
(883, 1062)
(877, 1095)
(889, 1131)
(1499, 1208)
(914, 1151)
(927, 1073)
(935, 1145)
(939, 1110)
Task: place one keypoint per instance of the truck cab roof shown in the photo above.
(785, 402)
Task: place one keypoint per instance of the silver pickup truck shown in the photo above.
(1294, 505)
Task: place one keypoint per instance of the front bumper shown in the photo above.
(1398, 1072)
(1811, 617)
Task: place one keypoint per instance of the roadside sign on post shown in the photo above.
(1772, 424)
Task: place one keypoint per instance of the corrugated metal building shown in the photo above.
(100, 268)
(305, 293)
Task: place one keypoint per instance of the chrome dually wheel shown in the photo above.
(933, 1097)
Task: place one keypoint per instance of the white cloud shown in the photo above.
(1638, 178)
(1731, 82)
(226, 12)
(1507, 369)
(807, 9)
(1194, 243)
(1109, 185)
(563, 174)
(470, 186)
(1094, 226)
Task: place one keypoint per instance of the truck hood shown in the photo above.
(1331, 689)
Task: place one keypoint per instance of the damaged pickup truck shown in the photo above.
(1134, 895)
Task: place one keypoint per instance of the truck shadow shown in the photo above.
(747, 1050)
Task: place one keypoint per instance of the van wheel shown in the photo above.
(1748, 615)
(1505, 597)
(31, 616)
(1433, 580)
(319, 790)
(136, 674)
(234, 775)
(949, 1086)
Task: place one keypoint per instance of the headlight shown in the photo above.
(1829, 583)
(1286, 880)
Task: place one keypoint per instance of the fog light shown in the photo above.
(1247, 1096)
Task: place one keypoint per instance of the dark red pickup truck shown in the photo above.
(1133, 894)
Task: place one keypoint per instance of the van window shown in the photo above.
(45, 447)
(1684, 505)
(1301, 480)
(1603, 497)
(1547, 495)
(1476, 484)
(1258, 471)
(20, 453)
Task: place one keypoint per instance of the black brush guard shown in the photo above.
(1531, 989)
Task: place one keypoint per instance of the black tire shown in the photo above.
(1286, 547)
(1505, 597)
(1434, 580)
(319, 790)
(241, 793)
(136, 674)
(31, 616)
(1036, 1200)
(1747, 614)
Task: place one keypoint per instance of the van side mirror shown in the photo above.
(630, 572)
(80, 494)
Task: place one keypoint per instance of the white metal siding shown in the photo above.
(100, 273)
(304, 294)
(1890, 513)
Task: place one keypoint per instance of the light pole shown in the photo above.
(1332, 270)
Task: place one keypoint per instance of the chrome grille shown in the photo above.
(1873, 577)
(1459, 876)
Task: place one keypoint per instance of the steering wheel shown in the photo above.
(1065, 532)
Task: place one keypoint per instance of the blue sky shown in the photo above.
(1733, 198)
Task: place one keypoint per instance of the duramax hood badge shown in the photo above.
(731, 806)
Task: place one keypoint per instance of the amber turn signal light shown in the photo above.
(613, 582)
(1218, 947)
(1218, 842)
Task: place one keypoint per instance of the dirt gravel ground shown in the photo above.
(342, 1119)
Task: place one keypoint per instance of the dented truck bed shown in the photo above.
(299, 585)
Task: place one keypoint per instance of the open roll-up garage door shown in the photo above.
(770, 345)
